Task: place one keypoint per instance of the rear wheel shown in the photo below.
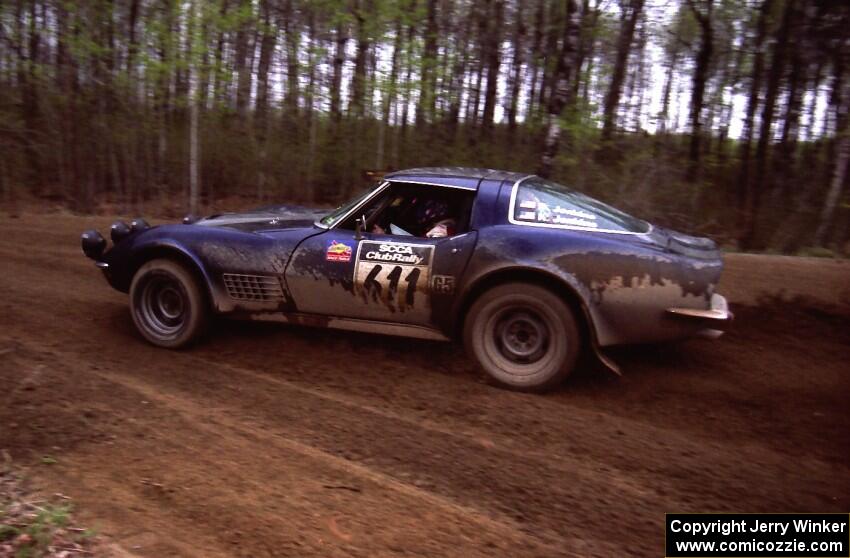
(523, 336)
(167, 304)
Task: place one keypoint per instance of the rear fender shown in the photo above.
(552, 277)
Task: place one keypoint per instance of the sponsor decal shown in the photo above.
(400, 253)
(572, 221)
(444, 284)
(394, 274)
(338, 252)
(574, 213)
(543, 213)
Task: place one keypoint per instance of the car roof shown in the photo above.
(457, 177)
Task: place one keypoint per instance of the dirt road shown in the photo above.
(268, 440)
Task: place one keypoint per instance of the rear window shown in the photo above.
(543, 203)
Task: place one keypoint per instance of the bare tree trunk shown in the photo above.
(312, 119)
(194, 151)
(455, 92)
(372, 81)
(777, 67)
(791, 125)
(163, 94)
(628, 21)
(405, 110)
(261, 119)
(218, 64)
(561, 95)
(839, 175)
(475, 96)
(640, 80)
(841, 100)
(242, 63)
(587, 76)
(494, 57)
(706, 48)
(292, 43)
(444, 76)
(389, 96)
(427, 93)
(536, 55)
(363, 44)
(745, 191)
(515, 80)
(553, 33)
(338, 61)
(811, 112)
(668, 85)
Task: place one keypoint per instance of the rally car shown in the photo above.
(528, 273)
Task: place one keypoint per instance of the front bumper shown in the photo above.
(716, 318)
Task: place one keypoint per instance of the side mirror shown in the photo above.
(359, 225)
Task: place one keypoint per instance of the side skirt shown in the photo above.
(349, 324)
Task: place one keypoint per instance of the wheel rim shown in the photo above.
(163, 306)
(521, 335)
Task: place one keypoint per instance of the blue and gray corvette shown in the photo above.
(528, 273)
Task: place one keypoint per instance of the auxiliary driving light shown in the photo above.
(137, 225)
(118, 231)
(93, 244)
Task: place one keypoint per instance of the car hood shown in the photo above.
(275, 217)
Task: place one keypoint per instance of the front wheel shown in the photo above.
(167, 304)
(523, 336)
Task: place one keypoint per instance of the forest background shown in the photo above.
(721, 117)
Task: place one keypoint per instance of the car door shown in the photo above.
(381, 277)
(377, 276)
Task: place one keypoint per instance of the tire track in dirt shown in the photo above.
(447, 464)
(543, 405)
(581, 502)
(691, 459)
(80, 342)
(185, 465)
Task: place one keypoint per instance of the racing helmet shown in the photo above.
(431, 211)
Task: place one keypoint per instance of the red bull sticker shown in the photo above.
(338, 252)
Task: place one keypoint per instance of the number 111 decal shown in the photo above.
(394, 274)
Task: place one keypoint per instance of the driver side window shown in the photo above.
(422, 211)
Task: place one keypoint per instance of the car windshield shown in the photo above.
(334, 216)
(544, 203)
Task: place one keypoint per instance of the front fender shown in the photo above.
(209, 253)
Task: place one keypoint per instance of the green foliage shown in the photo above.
(816, 252)
(104, 120)
(8, 532)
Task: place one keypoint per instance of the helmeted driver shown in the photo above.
(433, 219)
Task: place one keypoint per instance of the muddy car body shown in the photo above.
(531, 274)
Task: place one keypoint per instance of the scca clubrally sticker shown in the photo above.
(396, 274)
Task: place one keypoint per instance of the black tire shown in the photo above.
(523, 336)
(167, 303)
